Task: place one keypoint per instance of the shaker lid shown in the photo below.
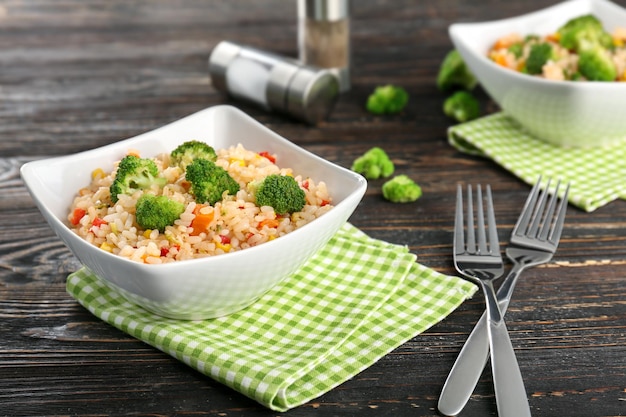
(312, 94)
(324, 9)
(307, 93)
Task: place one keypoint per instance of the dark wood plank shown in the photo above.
(75, 75)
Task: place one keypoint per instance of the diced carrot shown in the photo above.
(271, 223)
(506, 41)
(501, 60)
(77, 215)
(99, 222)
(553, 37)
(268, 156)
(619, 37)
(134, 152)
(202, 220)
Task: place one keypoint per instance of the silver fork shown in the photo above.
(536, 234)
(483, 264)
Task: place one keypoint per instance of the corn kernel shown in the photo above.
(113, 227)
(105, 246)
(171, 238)
(97, 174)
(223, 246)
(147, 233)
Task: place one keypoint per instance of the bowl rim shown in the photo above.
(29, 170)
(457, 32)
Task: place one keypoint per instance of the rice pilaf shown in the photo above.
(233, 224)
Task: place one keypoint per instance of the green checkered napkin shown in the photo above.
(355, 301)
(597, 175)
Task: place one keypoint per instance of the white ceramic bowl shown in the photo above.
(565, 113)
(207, 287)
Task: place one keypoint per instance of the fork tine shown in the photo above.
(524, 219)
(549, 214)
(471, 239)
(459, 238)
(480, 222)
(555, 235)
(494, 243)
(539, 210)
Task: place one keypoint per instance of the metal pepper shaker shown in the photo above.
(273, 82)
(324, 37)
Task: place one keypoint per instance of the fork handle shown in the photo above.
(511, 396)
(473, 357)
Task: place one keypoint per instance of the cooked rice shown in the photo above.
(237, 222)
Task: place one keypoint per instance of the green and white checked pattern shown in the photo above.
(355, 301)
(597, 175)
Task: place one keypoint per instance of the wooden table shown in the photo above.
(79, 74)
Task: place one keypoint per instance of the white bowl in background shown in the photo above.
(198, 288)
(564, 113)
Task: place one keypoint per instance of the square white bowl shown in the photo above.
(564, 113)
(199, 288)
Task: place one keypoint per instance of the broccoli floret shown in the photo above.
(134, 173)
(595, 64)
(157, 212)
(185, 153)
(387, 99)
(281, 192)
(461, 106)
(583, 31)
(374, 164)
(517, 49)
(539, 55)
(209, 181)
(454, 73)
(401, 189)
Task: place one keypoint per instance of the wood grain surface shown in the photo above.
(78, 74)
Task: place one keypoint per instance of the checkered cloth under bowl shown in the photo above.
(355, 301)
(597, 174)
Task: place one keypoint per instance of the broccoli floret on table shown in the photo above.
(584, 30)
(401, 189)
(461, 106)
(209, 181)
(157, 212)
(186, 152)
(454, 73)
(387, 99)
(374, 164)
(280, 192)
(134, 173)
(539, 55)
(595, 64)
